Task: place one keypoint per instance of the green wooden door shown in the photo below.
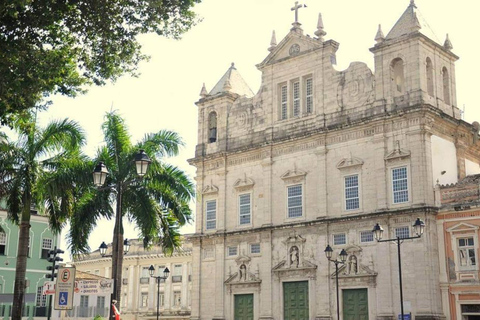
(355, 304)
(295, 300)
(244, 307)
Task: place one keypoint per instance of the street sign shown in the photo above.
(407, 316)
(64, 288)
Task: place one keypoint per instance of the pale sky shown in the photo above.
(239, 31)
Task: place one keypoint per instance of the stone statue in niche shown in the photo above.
(294, 259)
(243, 272)
(352, 265)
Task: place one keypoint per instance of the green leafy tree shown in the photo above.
(158, 203)
(58, 46)
(24, 162)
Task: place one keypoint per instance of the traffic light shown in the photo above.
(54, 258)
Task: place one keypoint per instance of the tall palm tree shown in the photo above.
(158, 203)
(23, 163)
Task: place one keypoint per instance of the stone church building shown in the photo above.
(317, 157)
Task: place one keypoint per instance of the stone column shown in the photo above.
(219, 298)
(196, 294)
(266, 292)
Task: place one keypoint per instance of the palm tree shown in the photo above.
(158, 203)
(23, 163)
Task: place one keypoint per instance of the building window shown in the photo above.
(177, 298)
(283, 102)
(83, 308)
(244, 207)
(446, 86)
(352, 200)
(400, 185)
(296, 98)
(144, 276)
(211, 214)
(339, 239)
(162, 299)
(429, 72)
(366, 236)
(46, 247)
(212, 127)
(3, 243)
(96, 272)
(232, 251)
(255, 248)
(101, 304)
(177, 270)
(309, 95)
(398, 77)
(144, 300)
(294, 201)
(41, 298)
(402, 232)
(466, 252)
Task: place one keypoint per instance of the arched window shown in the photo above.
(446, 86)
(429, 71)
(212, 127)
(398, 77)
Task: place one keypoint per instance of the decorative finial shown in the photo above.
(232, 66)
(447, 44)
(227, 86)
(273, 42)
(412, 3)
(295, 8)
(379, 37)
(203, 92)
(320, 33)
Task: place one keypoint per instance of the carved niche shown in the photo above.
(354, 271)
(294, 263)
(242, 276)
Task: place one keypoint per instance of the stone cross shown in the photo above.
(295, 8)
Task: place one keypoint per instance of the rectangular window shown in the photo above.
(296, 98)
(309, 95)
(339, 239)
(144, 300)
(211, 214)
(294, 201)
(232, 251)
(162, 299)
(402, 232)
(145, 273)
(466, 252)
(283, 102)
(352, 200)
(255, 248)
(3, 243)
(41, 298)
(366, 236)
(177, 270)
(83, 308)
(244, 207)
(177, 298)
(400, 185)
(160, 270)
(100, 303)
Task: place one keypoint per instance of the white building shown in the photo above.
(139, 300)
(316, 157)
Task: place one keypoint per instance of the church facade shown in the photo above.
(317, 157)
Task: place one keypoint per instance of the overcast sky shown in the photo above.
(239, 31)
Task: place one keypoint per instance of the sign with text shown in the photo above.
(64, 288)
(49, 288)
(405, 317)
(86, 287)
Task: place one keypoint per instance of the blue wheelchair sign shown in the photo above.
(63, 298)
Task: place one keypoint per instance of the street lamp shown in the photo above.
(166, 272)
(103, 248)
(418, 228)
(100, 173)
(343, 257)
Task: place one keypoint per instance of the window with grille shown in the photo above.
(283, 102)
(309, 95)
(255, 248)
(294, 201)
(352, 199)
(339, 239)
(3, 243)
(402, 232)
(41, 300)
(296, 98)
(400, 185)
(366, 236)
(244, 207)
(211, 214)
(144, 300)
(466, 252)
(46, 247)
(232, 251)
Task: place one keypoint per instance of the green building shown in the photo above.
(41, 241)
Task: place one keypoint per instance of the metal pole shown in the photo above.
(158, 298)
(400, 276)
(338, 300)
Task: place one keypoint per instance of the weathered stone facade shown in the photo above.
(317, 157)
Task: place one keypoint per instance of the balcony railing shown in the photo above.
(176, 278)
(144, 280)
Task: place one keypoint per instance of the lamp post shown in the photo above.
(343, 257)
(100, 174)
(103, 248)
(419, 228)
(166, 272)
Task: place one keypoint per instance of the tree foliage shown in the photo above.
(59, 46)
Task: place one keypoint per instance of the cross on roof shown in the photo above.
(295, 8)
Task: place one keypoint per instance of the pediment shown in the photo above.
(293, 45)
(349, 163)
(244, 183)
(295, 173)
(210, 189)
(345, 272)
(398, 154)
(283, 266)
(463, 227)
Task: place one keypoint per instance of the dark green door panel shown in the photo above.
(295, 300)
(355, 304)
(244, 307)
